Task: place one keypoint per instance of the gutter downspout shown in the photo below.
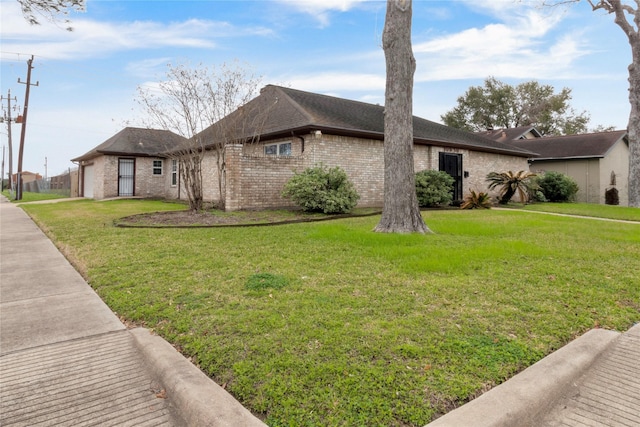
(301, 139)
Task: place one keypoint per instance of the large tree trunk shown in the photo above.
(401, 213)
(634, 124)
(627, 17)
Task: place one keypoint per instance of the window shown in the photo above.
(174, 172)
(157, 167)
(283, 149)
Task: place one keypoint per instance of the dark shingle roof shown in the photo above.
(588, 145)
(294, 111)
(138, 142)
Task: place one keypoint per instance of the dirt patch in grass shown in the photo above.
(217, 218)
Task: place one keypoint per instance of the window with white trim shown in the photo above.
(157, 167)
(174, 172)
(283, 149)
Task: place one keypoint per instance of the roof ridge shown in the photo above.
(576, 135)
(296, 105)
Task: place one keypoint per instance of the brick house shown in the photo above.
(596, 161)
(284, 130)
(27, 177)
(296, 130)
(130, 163)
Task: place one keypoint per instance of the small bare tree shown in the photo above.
(401, 213)
(191, 100)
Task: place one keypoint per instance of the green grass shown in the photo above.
(32, 197)
(586, 209)
(343, 326)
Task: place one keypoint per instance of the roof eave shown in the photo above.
(595, 156)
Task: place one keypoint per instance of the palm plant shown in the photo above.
(511, 183)
(475, 200)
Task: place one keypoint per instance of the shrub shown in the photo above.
(557, 187)
(434, 188)
(533, 190)
(319, 189)
(476, 201)
(511, 183)
(611, 196)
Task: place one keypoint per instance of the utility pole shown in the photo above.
(9, 120)
(2, 175)
(24, 125)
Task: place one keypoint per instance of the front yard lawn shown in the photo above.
(585, 209)
(32, 197)
(328, 323)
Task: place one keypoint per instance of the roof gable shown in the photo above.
(590, 145)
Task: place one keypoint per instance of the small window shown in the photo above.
(174, 172)
(157, 167)
(283, 149)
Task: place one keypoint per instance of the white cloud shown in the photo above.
(319, 9)
(519, 48)
(93, 39)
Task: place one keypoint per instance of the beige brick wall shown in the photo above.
(255, 181)
(146, 183)
(480, 164)
(361, 159)
(99, 177)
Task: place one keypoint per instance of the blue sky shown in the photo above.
(88, 77)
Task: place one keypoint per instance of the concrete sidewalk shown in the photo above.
(66, 359)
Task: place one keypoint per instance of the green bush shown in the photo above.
(557, 187)
(434, 188)
(611, 196)
(319, 189)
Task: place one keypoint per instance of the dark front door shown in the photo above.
(126, 177)
(451, 163)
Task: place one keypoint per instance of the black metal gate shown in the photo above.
(126, 177)
(451, 163)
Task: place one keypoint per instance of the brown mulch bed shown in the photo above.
(180, 219)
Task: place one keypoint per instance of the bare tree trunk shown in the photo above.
(634, 125)
(627, 17)
(401, 213)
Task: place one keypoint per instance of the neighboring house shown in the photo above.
(130, 163)
(511, 134)
(300, 129)
(26, 177)
(596, 161)
(282, 131)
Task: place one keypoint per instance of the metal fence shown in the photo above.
(65, 184)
